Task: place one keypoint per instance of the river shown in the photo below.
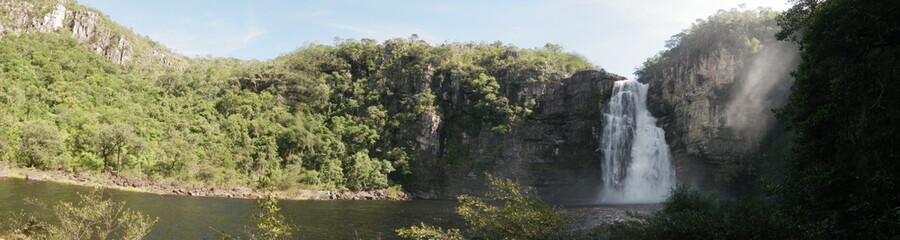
(185, 217)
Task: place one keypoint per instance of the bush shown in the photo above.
(92, 217)
(429, 233)
(41, 144)
(689, 214)
(508, 211)
(270, 224)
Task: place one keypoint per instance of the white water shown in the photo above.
(637, 166)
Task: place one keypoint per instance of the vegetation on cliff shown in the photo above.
(743, 31)
(325, 117)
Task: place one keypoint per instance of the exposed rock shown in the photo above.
(697, 100)
(33, 176)
(52, 21)
(87, 27)
(429, 138)
(552, 150)
(83, 176)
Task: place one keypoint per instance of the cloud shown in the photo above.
(216, 42)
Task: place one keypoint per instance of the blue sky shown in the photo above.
(614, 34)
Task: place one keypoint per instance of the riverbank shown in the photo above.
(167, 187)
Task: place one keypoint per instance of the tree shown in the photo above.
(842, 180)
(270, 224)
(112, 142)
(41, 144)
(508, 211)
(94, 217)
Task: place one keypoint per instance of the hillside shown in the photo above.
(81, 93)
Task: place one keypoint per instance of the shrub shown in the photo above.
(689, 214)
(270, 224)
(508, 211)
(41, 144)
(92, 217)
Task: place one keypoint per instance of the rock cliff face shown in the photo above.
(87, 26)
(716, 109)
(553, 150)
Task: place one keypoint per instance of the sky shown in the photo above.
(617, 35)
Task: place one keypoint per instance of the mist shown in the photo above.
(765, 86)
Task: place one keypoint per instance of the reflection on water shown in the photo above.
(183, 217)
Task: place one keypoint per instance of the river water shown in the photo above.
(184, 217)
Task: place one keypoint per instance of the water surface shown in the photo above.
(184, 217)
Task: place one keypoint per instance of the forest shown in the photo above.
(344, 117)
(322, 117)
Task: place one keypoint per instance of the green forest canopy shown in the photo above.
(329, 117)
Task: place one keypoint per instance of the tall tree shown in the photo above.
(845, 109)
(115, 141)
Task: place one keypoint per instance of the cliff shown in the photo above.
(714, 94)
(554, 149)
(87, 26)
(366, 115)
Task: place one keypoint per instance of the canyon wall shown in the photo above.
(717, 110)
(555, 149)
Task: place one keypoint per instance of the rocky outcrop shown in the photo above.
(554, 149)
(86, 30)
(87, 27)
(716, 110)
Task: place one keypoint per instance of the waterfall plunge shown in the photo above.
(636, 159)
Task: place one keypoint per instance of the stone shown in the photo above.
(52, 21)
(33, 176)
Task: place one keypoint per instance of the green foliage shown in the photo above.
(740, 31)
(842, 180)
(92, 217)
(40, 144)
(335, 117)
(689, 214)
(425, 232)
(21, 225)
(113, 142)
(270, 224)
(328, 117)
(508, 211)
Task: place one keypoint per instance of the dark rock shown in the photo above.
(552, 150)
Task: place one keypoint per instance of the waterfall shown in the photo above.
(637, 165)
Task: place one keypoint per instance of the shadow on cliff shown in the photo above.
(718, 115)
